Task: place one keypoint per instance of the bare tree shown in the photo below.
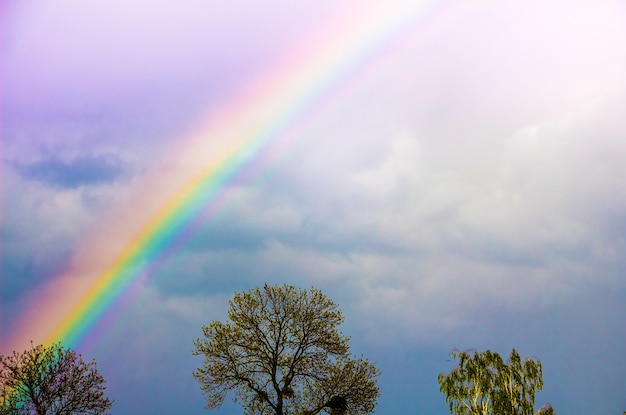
(50, 381)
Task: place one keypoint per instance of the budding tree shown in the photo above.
(50, 381)
(281, 353)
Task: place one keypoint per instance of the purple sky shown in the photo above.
(464, 188)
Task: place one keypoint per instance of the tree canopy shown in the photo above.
(281, 353)
(482, 384)
(50, 381)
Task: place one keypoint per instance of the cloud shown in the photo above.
(419, 240)
(85, 170)
(43, 225)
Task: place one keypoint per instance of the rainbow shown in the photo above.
(239, 138)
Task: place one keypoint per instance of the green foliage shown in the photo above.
(281, 352)
(482, 384)
(50, 381)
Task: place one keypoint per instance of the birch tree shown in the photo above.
(482, 384)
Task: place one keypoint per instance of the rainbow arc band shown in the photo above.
(360, 35)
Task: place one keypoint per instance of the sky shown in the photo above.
(450, 173)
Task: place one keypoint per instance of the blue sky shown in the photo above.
(464, 191)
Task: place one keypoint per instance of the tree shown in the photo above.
(482, 384)
(519, 381)
(50, 381)
(547, 410)
(281, 353)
